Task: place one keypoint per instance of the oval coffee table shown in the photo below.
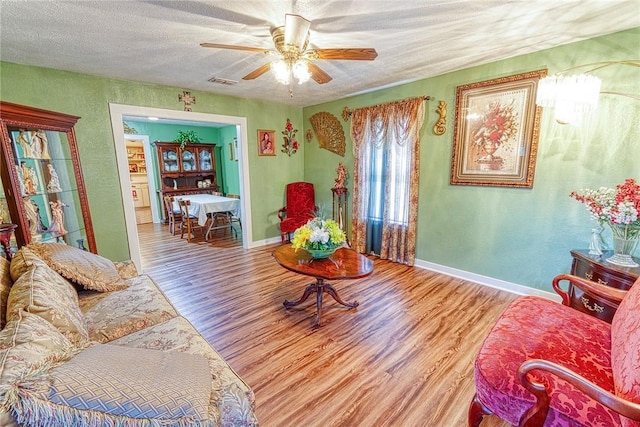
(345, 263)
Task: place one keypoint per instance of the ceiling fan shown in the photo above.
(294, 59)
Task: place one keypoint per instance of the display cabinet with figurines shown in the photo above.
(42, 179)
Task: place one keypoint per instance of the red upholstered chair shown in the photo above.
(546, 364)
(300, 207)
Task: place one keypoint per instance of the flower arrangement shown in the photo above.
(620, 205)
(290, 145)
(495, 128)
(620, 208)
(318, 234)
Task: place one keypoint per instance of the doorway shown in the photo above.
(118, 114)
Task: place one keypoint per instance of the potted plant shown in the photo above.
(186, 136)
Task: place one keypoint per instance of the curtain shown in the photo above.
(386, 147)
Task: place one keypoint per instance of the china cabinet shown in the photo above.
(43, 186)
(187, 170)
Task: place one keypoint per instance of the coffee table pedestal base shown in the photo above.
(319, 287)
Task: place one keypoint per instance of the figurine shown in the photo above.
(23, 189)
(40, 145)
(57, 220)
(26, 179)
(36, 225)
(342, 176)
(54, 183)
(25, 144)
(34, 179)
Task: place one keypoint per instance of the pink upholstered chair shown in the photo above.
(546, 364)
(300, 208)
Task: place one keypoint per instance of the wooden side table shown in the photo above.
(6, 230)
(345, 263)
(595, 268)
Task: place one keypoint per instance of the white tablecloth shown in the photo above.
(202, 204)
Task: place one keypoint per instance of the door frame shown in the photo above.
(151, 175)
(119, 111)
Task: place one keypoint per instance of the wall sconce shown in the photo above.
(573, 95)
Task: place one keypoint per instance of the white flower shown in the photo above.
(319, 235)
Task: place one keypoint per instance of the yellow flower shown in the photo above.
(314, 235)
(301, 237)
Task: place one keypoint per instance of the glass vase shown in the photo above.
(625, 241)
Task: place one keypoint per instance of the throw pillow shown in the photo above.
(90, 270)
(21, 262)
(27, 342)
(5, 287)
(113, 385)
(42, 291)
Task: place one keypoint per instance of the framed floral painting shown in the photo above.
(497, 124)
(266, 142)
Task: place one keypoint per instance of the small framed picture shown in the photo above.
(133, 168)
(266, 142)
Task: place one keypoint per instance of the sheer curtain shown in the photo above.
(386, 144)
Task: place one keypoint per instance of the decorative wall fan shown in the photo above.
(294, 60)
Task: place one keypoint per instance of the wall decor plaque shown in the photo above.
(329, 132)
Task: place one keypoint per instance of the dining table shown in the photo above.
(204, 205)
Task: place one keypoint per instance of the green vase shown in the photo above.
(321, 253)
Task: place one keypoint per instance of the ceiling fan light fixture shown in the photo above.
(301, 71)
(296, 32)
(281, 71)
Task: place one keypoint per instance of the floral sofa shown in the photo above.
(85, 341)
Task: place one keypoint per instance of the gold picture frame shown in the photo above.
(497, 125)
(266, 142)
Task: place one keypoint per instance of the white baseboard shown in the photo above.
(265, 242)
(487, 281)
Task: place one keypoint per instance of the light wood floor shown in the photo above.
(404, 357)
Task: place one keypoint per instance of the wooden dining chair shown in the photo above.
(189, 222)
(231, 215)
(173, 215)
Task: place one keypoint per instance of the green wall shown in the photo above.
(521, 236)
(89, 97)
(230, 167)
(517, 235)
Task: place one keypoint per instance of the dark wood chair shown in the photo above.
(189, 222)
(300, 207)
(547, 364)
(173, 215)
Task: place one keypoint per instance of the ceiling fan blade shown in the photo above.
(359, 54)
(296, 31)
(258, 72)
(317, 74)
(228, 46)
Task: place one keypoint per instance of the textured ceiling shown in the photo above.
(159, 41)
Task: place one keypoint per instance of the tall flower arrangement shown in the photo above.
(290, 145)
(619, 208)
(620, 205)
